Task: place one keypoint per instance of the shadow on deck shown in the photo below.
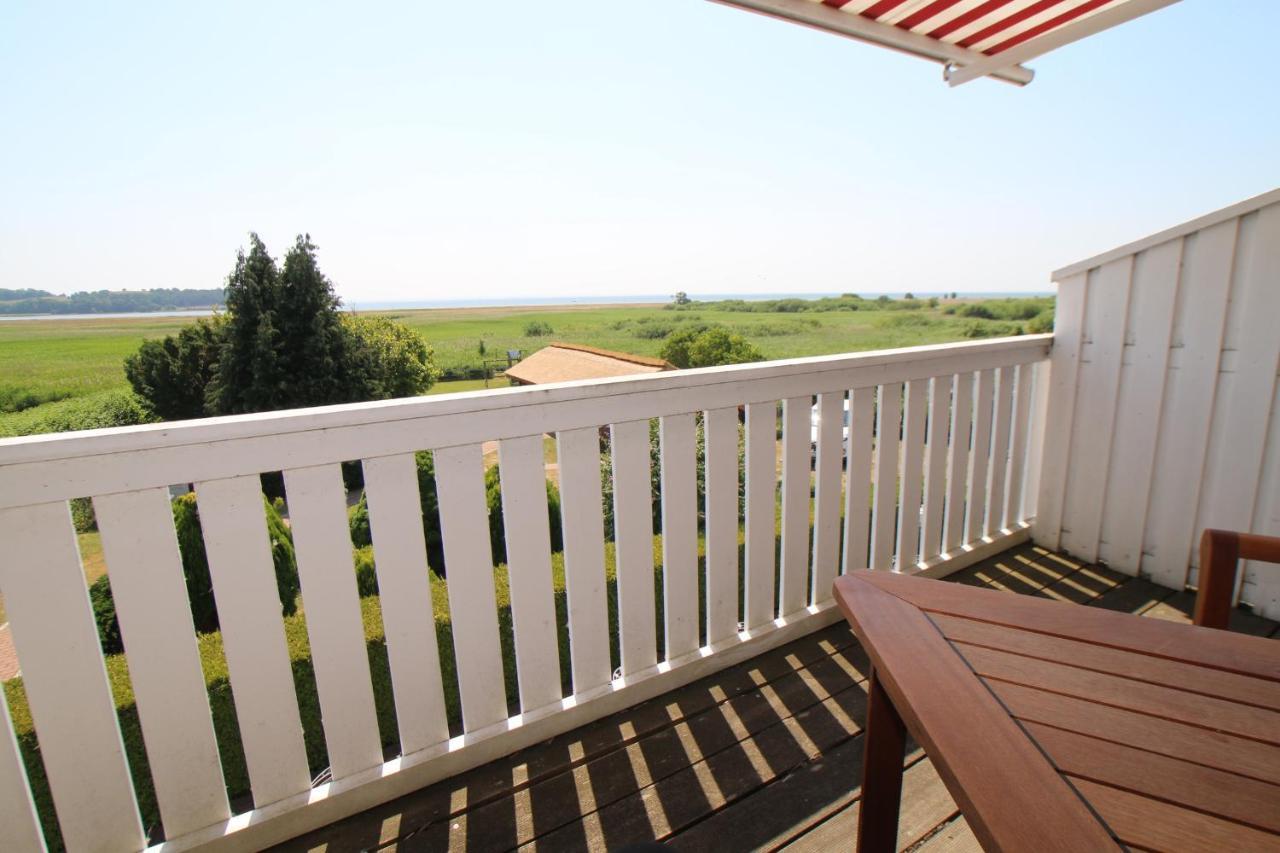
(764, 755)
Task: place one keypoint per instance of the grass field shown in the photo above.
(43, 362)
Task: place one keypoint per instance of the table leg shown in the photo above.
(885, 744)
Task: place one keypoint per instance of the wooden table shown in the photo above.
(1061, 727)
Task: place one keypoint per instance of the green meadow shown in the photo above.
(49, 367)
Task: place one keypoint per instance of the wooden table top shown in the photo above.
(1058, 727)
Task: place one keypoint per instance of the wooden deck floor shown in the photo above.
(766, 755)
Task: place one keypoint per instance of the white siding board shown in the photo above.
(633, 535)
(147, 585)
(233, 520)
(1188, 406)
(1097, 384)
(796, 454)
(857, 510)
(404, 586)
(677, 434)
(1246, 381)
(1141, 398)
(1262, 580)
(721, 463)
(464, 528)
(527, 531)
(582, 520)
(1064, 367)
(761, 473)
(885, 512)
(54, 634)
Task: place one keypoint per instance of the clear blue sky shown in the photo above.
(461, 150)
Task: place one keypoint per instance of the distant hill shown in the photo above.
(28, 301)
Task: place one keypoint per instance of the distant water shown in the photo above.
(202, 312)
(523, 301)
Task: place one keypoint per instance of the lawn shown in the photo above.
(43, 361)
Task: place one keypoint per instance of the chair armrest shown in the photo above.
(1220, 553)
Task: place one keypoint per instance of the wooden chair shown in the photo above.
(1220, 553)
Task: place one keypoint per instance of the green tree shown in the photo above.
(681, 298)
(285, 341)
(173, 373)
(707, 346)
(282, 344)
(384, 360)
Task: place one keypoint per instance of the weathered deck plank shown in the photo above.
(765, 755)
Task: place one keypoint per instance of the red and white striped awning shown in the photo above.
(972, 38)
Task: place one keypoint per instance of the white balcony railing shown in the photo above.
(935, 476)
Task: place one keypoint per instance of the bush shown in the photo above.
(977, 310)
(384, 360)
(104, 614)
(979, 329)
(1041, 323)
(82, 515)
(93, 411)
(538, 329)
(172, 373)
(195, 569)
(707, 346)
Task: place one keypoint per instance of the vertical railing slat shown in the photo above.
(826, 499)
(527, 528)
(19, 824)
(582, 520)
(980, 458)
(857, 509)
(468, 560)
(54, 634)
(888, 424)
(761, 472)
(233, 519)
(796, 456)
(633, 536)
(404, 587)
(335, 629)
(678, 437)
(958, 463)
(141, 548)
(721, 461)
(1000, 441)
(1013, 514)
(935, 472)
(912, 474)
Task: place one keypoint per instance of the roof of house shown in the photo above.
(971, 38)
(561, 362)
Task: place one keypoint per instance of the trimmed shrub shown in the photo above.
(82, 515)
(92, 411)
(104, 614)
(497, 530)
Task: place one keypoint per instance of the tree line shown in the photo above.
(30, 301)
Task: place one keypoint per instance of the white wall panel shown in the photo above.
(1162, 414)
